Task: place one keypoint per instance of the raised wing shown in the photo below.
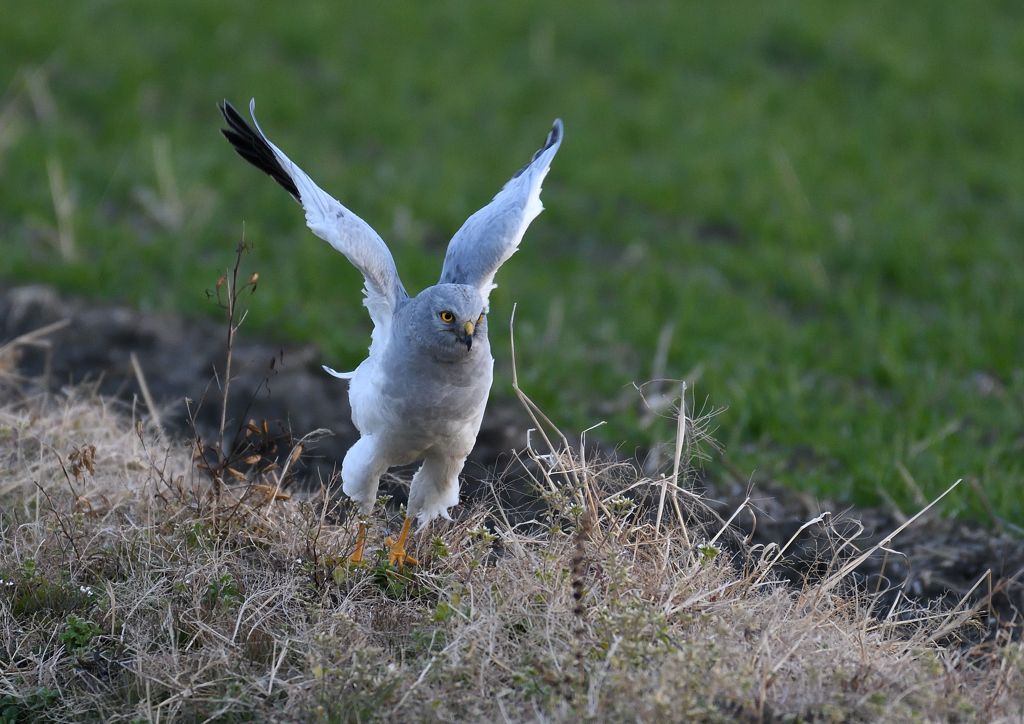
(326, 218)
(492, 234)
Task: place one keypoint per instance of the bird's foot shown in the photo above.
(396, 549)
(357, 557)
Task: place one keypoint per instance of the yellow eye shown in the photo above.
(447, 317)
(480, 319)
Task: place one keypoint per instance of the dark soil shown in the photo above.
(939, 559)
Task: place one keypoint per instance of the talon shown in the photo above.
(396, 549)
(357, 557)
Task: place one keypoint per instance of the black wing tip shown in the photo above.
(254, 148)
(231, 115)
(554, 137)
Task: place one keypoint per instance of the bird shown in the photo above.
(421, 392)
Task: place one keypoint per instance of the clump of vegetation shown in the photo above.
(127, 596)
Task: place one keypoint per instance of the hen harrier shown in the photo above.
(421, 392)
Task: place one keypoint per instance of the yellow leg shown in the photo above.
(357, 557)
(396, 549)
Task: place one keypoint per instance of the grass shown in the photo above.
(128, 594)
(820, 202)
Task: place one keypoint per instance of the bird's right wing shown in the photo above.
(326, 218)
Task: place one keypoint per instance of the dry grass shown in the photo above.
(121, 601)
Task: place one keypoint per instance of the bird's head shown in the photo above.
(449, 320)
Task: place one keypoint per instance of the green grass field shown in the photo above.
(825, 201)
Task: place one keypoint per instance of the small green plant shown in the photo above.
(443, 612)
(707, 553)
(393, 582)
(481, 536)
(27, 708)
(438, 548)
(199, 535)
(620, 504)
(79, 633)
(28, 569)
(31, 589)
(535, 682)
(223, 592)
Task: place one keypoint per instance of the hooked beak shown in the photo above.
(470, 328)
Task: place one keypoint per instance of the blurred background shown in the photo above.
(813, 212)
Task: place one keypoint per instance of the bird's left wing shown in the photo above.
(492, 234)
(326, 218)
